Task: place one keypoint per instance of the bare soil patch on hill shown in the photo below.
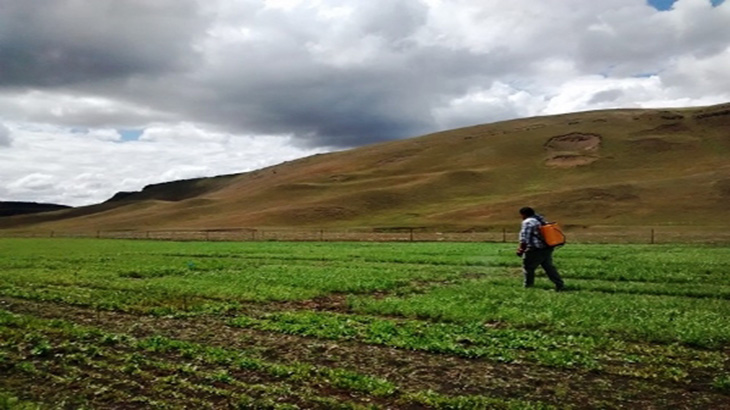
(575, 141)
(572, 150)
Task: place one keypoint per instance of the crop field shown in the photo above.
(91, 323)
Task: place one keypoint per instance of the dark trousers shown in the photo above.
(540, 257)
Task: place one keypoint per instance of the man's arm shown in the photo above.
(523, 239)
(521, 249)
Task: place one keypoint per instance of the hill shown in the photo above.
(612, 167)
(10, 208)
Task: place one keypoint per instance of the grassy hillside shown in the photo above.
(616, 167)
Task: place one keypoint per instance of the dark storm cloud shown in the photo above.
(326, 114)
(339, 107)
(148, 54)
(60, 42)
(359, 81)
(320, 82)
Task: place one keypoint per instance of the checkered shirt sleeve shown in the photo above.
(530, 234)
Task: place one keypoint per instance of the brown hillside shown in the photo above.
(614, 167)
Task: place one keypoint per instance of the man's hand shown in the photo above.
(521, 250)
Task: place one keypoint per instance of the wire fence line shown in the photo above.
(607, 234)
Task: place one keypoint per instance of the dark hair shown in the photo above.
(527, 211)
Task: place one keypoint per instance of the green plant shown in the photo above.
(722, 382)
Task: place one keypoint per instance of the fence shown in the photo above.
(607, 234)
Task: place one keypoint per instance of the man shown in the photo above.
(534, 251)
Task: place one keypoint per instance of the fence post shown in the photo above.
(321, 235)
(52, 233)
(411, 234)
(652, 236)
(504, 235)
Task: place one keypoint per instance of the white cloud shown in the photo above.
(181, 134)
(5, 138)
(60, 165)
(695, 76)
(483, 106)
(60, 107)
(33, 182)
(105, 134)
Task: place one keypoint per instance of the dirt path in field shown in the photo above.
(411, 371)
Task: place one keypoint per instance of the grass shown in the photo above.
(359, 325)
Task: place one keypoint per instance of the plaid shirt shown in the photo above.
(530, 232)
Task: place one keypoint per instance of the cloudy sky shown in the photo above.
(100, 96)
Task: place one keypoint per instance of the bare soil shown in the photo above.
(570, 161)
(575, 141)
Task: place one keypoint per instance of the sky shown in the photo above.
(101, 96)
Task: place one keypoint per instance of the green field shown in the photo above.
(149, 324)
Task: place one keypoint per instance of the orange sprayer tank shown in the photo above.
(552, 234)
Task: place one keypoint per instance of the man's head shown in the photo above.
(527, 212)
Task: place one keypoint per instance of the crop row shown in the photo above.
(659, 263)
(96, 367)
(508, 345)
(629, 310)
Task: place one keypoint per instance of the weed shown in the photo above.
(722, 383)
(221, 377)
(9, 401)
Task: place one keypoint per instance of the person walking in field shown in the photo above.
(534, 251)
